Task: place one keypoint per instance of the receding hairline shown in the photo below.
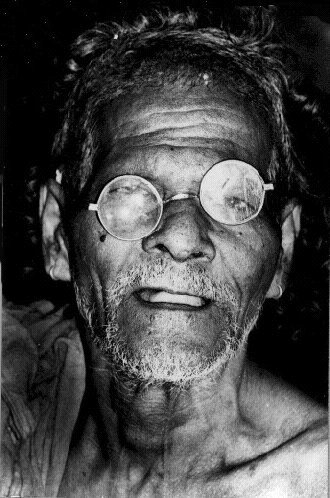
(145, 104)
(184, 79)
(156, 75)
(117, 60)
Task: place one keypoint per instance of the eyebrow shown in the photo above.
(224, 147)
(105, 169)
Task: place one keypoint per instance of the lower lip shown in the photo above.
(171, 306)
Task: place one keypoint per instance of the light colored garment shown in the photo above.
(43, 382)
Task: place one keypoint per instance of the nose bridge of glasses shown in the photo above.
(180, 196)
(183, 211)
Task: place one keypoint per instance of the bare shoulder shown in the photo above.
(296, 464)
(297, 468)
(311, 458)
(281, 405)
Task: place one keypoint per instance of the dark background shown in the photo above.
(35, 36)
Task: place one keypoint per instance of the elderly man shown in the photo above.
(173, 211)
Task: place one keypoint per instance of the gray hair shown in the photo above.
(112, 60)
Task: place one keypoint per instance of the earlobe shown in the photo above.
(53, 240)
(290, 232)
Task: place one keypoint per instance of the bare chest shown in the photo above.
(276, 476)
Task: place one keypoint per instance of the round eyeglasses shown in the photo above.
(231, 192)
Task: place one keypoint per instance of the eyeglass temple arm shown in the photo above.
(92, 207)
(268, 186)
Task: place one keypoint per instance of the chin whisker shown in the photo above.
(167, 360)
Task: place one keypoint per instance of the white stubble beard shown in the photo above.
(164, 362)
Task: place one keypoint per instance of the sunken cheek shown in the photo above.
(98, 255)
(248, 258)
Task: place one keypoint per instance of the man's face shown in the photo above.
(175, 304)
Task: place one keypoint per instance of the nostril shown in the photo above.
(182, 235)
(196, 254)
(162, 247)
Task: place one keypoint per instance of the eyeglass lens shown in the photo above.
(231, 192)
(130, 207)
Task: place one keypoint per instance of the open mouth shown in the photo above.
(170, 299)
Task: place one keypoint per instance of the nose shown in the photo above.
(183, 233)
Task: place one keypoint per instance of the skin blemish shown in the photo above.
(206, 79)
(103, 237)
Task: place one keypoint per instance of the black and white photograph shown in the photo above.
(165, 249)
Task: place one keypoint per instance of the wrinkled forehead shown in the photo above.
(197, 117)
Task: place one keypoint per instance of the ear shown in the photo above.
(54, 246)
(290, 232)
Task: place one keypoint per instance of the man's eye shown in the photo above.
(237, 203)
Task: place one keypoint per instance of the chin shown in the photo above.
(172, 350)
(178, 366)
(166, 361)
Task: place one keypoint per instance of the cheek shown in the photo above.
(249, 259)
(264, 257)
(96, 256)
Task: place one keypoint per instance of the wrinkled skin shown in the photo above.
(174, 147)
(222, 434)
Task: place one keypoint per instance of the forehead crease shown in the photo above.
(205, 136)
(158, 143)
(228, 143)
(224, 126)
(200, 122)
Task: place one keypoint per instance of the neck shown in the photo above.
(149, 419)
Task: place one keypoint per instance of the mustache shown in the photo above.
(163, 273)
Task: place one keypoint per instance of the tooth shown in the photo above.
(166, 297)
(145, 295)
